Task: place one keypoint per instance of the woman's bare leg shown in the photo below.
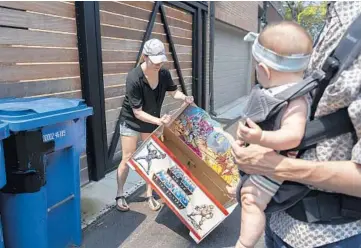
(129, 145)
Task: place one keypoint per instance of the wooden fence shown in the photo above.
(40, 55)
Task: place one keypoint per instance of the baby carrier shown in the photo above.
(296, 199)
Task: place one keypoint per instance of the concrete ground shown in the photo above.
(142, 227)
(98, 197)
(105, 227)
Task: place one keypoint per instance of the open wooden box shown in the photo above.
(191, 180)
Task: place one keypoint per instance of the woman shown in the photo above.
(334, 165)
(146, 86)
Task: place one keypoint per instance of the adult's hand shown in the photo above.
(188, 99)
(256, 159)
(337, 176)
(165, 119)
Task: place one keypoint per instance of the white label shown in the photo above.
(54, 135)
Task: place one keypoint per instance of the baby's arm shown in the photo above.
(292, 127)
(287, 137)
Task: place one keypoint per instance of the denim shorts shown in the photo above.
(126, 131)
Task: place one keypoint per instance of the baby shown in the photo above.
(282, 52)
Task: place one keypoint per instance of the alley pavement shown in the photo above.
(141, 227)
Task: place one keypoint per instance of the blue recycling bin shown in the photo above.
(40, 203)
(4, 133)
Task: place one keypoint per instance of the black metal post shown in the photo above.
(148, 32)
(264, 20)
(204, 61)
(211, 58)
(91, 72)
(195, 80)
(199, 52)
(203, 5)
(172, 48)
(181, 5)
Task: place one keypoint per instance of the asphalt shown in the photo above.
(141, 227)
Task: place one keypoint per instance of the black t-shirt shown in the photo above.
(140, 94)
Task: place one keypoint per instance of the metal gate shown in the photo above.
(111, 36)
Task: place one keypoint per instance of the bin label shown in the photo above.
(54, 135)
(66, 134)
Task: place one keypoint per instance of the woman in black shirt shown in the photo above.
(146, 86)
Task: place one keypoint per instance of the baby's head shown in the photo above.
(282, 52)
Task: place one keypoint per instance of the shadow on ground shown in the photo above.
(114, 232)
(113, 228)
(229, 228)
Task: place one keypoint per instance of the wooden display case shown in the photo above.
(191, 180)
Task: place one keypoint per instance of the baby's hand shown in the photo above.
(251, 134)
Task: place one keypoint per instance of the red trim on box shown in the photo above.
(169, 204)
(195, 180)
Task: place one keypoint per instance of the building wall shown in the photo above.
(239, 15)
(243, 15)
(232, 61)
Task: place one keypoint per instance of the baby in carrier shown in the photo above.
(282, 52)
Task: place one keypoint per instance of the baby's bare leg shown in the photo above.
(253, 220)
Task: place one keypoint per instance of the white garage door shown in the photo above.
(231, 65)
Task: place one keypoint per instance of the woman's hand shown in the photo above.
(164, 120)
(189, 99)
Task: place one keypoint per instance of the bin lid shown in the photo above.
(4, 130)
(29, 113)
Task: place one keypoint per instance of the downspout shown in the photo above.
(211, 57)
(264, 21)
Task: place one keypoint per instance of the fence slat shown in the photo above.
(113, 56)
(129, 22)
(119, 8)
(11, 36)
(16, 18)
(11, 73)
(175, 13)
(26, 89)
(37, 55)
(52, 8)
(124, 33)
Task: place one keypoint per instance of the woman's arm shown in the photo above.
(338, 176)
(143, 116)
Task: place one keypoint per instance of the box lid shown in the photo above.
(29, 113)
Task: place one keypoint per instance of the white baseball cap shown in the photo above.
(155, 50)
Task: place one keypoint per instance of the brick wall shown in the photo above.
(243, 15)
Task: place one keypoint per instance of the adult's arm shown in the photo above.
(143, 116)
(338, 176)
